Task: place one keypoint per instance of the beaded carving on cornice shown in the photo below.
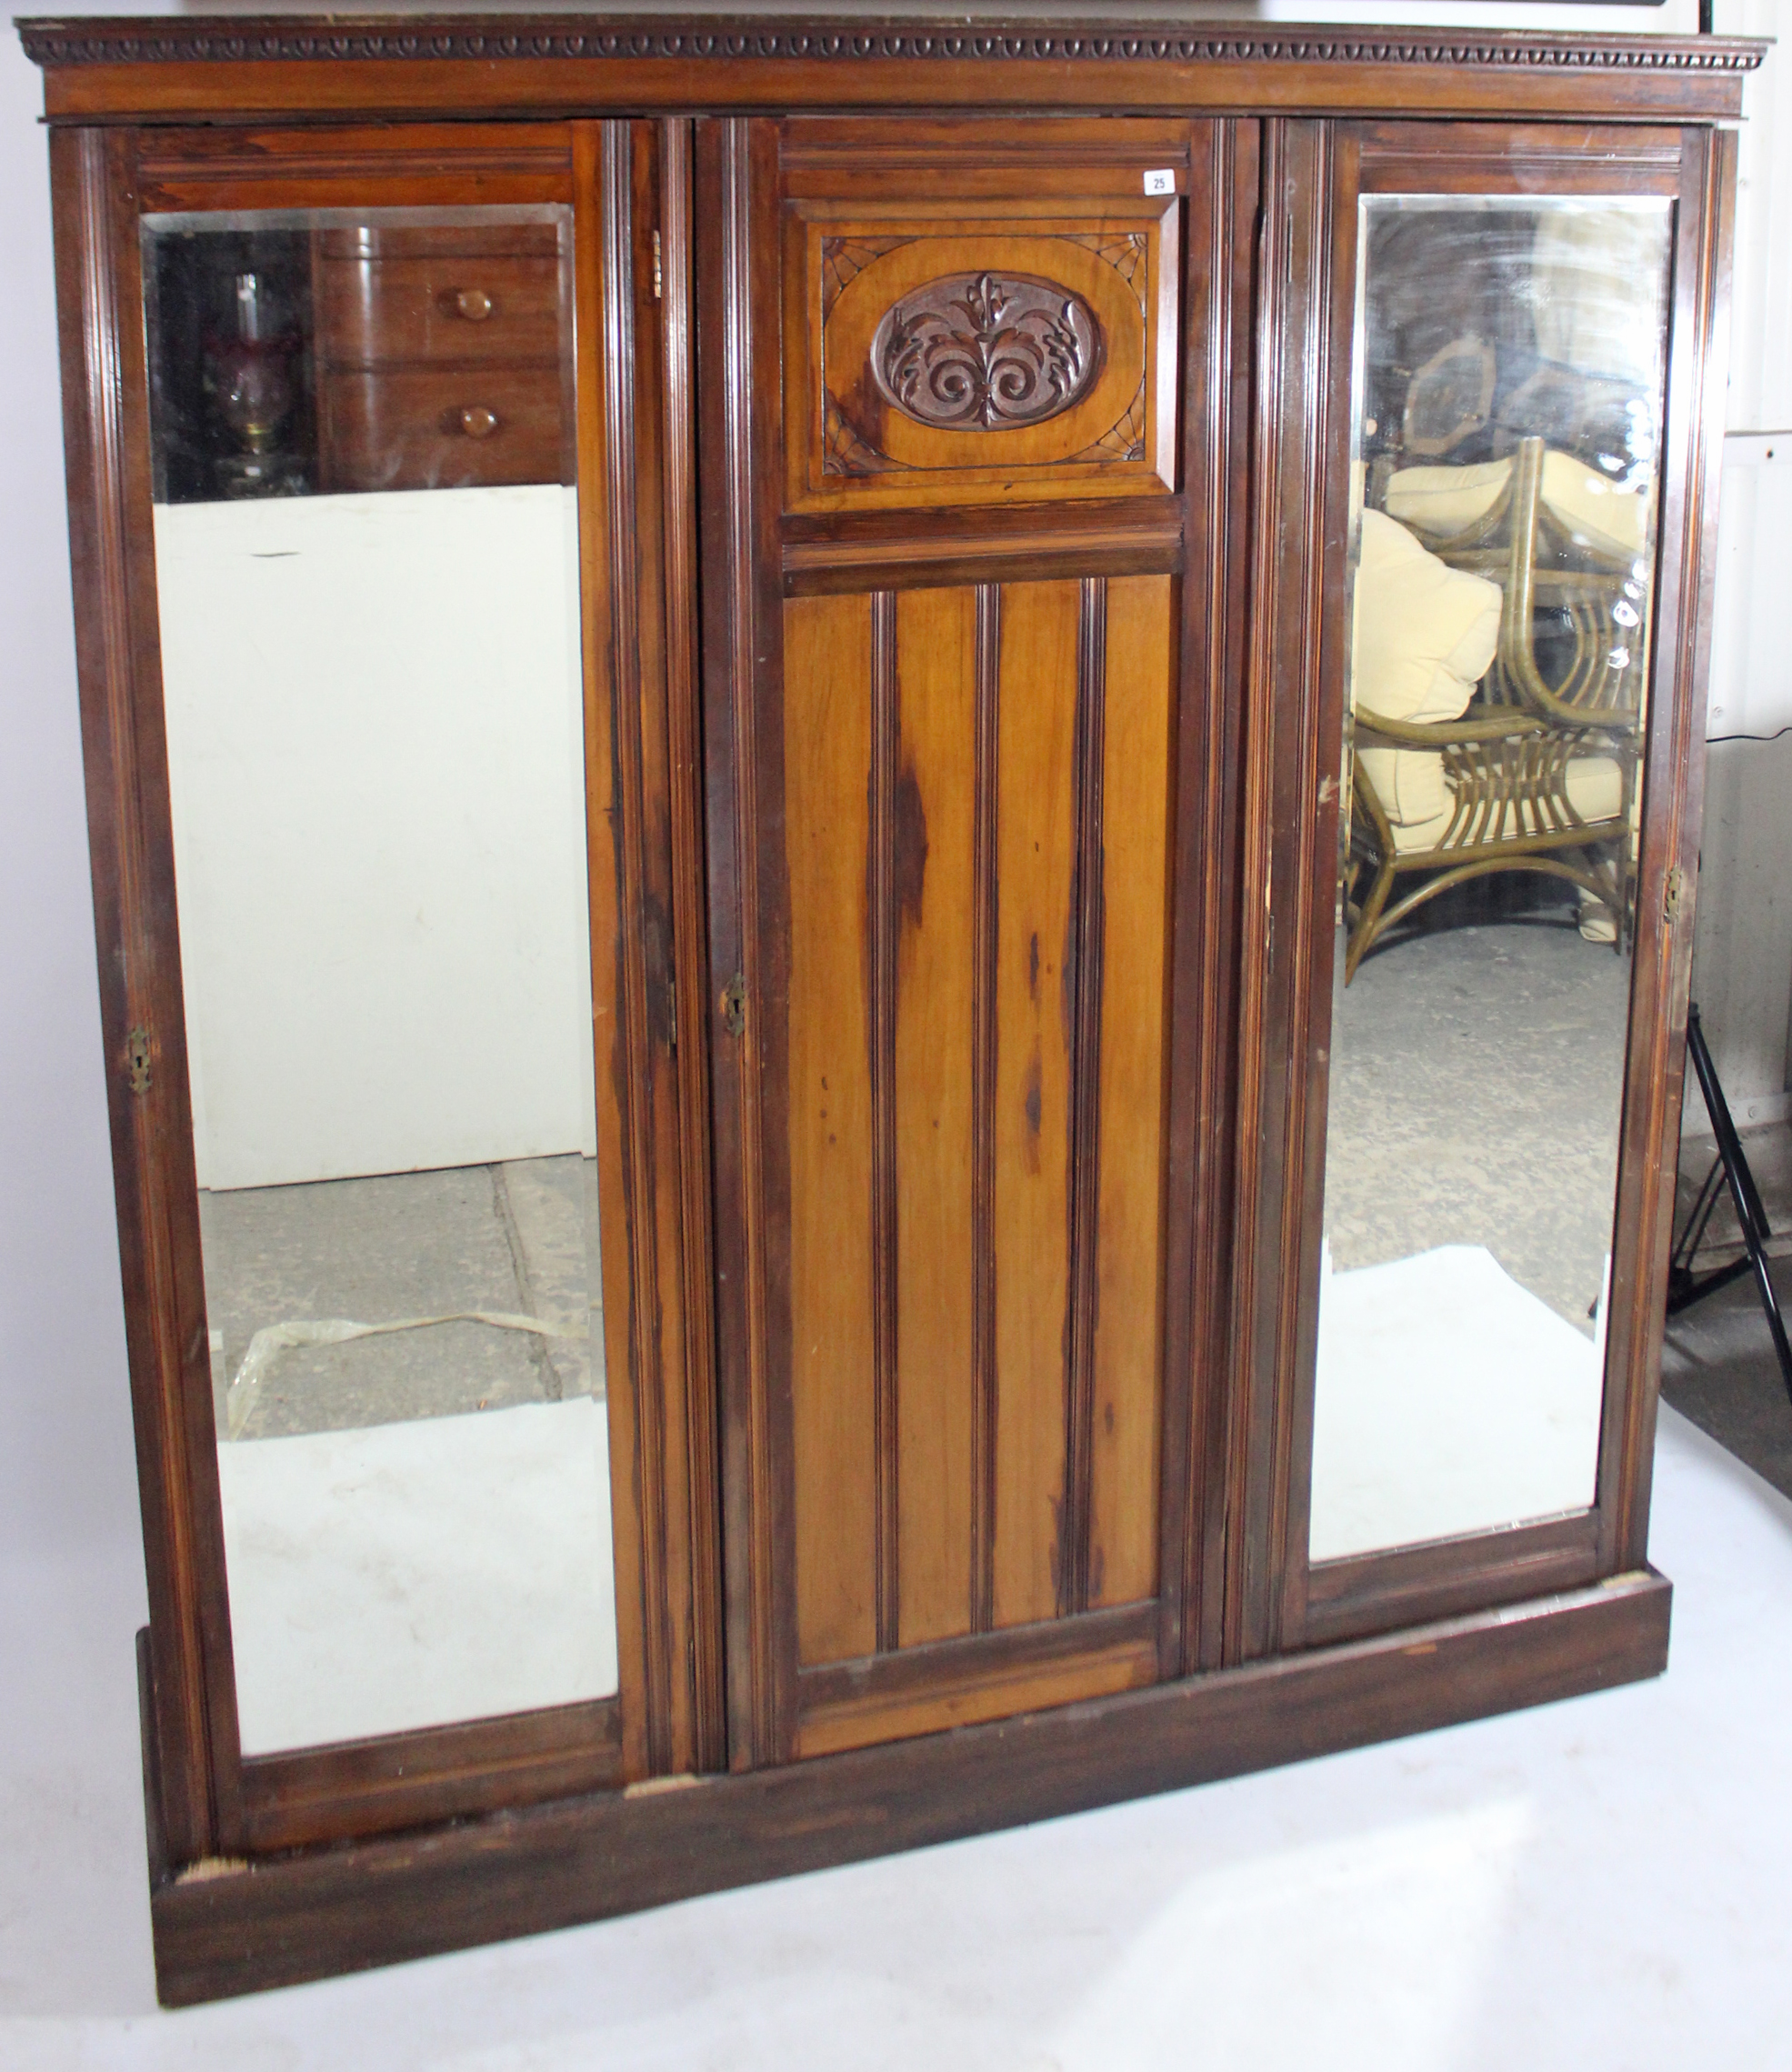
(152, 41)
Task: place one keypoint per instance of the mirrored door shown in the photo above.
(367, 580)
(1507, 431)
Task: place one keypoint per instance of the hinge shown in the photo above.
(136, 1058)
(659, 275)
(734, 1005)
(1674, 893)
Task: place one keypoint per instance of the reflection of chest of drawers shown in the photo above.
(439, 360)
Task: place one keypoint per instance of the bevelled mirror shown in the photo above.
(1506, 426)
(367, 582)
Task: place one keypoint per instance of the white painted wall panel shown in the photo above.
(376, 755)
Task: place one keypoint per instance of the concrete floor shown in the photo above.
(1476, 1076)
(518, 1237)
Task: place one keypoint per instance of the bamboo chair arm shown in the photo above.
(1453, 733)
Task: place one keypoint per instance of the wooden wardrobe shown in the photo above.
(967, 435)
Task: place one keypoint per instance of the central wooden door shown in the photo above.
(970, 392)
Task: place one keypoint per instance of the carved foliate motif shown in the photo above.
(844, 452)
(843, 259)
(973, 352)
(1124, 250)
(1125, 439)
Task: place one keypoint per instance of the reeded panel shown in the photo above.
(976, 810)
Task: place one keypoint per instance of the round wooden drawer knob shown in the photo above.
(477, 422)
(475, 305)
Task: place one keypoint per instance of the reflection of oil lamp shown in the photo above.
(253, 383)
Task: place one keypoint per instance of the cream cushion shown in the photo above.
(1594, 786)
(1612, 517)
(1425, 633)
(1444, 500)
(1409, 785)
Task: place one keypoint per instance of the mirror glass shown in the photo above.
(368, 577)
(1507, 414)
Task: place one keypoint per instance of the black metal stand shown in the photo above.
(1684, 1287)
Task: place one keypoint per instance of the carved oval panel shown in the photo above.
(978, 352)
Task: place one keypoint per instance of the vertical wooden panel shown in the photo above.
(985, 933)
(832, 1353)
(1084, 1022)
(1129, 1249)
(934, 836)
(1036, 863)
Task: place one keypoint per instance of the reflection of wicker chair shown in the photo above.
(1541, 767)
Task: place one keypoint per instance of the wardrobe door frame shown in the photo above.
(207, 1799)
(1300, 653)
(750, 561)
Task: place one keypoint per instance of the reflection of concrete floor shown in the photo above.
(1477, 1075)
(509, 1237)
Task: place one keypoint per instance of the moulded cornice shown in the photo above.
(149, 40)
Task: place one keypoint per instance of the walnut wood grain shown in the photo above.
(1208, 841)
(444, 1772)
(1035, 862)
(421, 64)
(118, 662)
(829, 652)
(1275, 1233)
(956, 1683)
(1124, 1255)
(703, 1745)
(1673, 803)
(315, 1913)
(1084, 959)
(933, 920)
(956, 549)
(1010, 818)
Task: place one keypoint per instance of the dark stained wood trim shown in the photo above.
(632, 1063)
(1508, 158)
(1375, 1592)
(318, 1913)
(884, 923)
(1277, 1241)
(1673, 806)
(490, 38)
(737, 311)
(408, 1780)
(168, 67)
(1310, 886)
(986, 924)
(1219, 311)
(412, 165)
(948, 1683)
(217, 1801)
(119, 657)
(1380, 1590)
(1083, 1134)
(707, 1732)
(940, 557)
